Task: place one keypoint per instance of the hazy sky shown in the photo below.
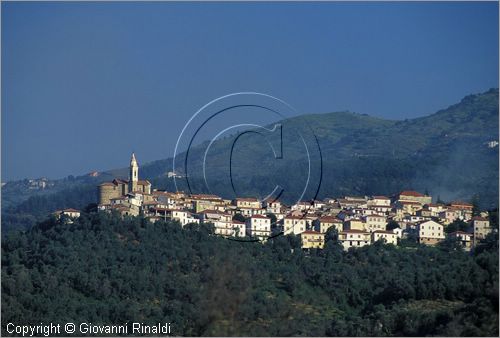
(84, 84)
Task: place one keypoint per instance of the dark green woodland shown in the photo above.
(103, 269)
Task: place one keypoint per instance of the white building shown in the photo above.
(272, 206)
(294, 225)
(387, 237)
(354, 238)
(375, 222)
(258, 226)
(239, 228)
(430, 232)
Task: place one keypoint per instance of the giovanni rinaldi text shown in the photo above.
(87, 328)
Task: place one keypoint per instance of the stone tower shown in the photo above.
(133, 175)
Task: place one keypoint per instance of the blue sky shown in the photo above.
(84, 84)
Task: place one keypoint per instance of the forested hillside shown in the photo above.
(36, 208)
(106, 270)
(446, 154)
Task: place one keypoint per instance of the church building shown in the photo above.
(119, 188)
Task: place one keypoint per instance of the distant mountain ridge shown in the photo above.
(446, 154)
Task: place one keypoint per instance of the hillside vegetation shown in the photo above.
(445, 154)
(105, 270)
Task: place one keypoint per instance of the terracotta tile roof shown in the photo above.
(214, 212)
(460, 203)
(294, 217)
(119, 181)
(166, 209)
(70, 210)
(205, 197)
(247, 199)
(260, 216)
(460, 233)
(411, 193)
(328, 219)
(208, 211)
(434, 205)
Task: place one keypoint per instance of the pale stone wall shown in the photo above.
(107, 192)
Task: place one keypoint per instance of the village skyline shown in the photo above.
(357, 221)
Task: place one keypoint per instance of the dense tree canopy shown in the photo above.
(456, 225)
(104, 269)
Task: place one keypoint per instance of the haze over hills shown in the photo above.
(447, 154)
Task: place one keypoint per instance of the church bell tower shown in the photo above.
(133, 175)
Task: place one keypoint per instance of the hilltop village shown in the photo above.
(359, 221)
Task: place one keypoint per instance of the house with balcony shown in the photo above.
(258, 226)
(312, 239)
(354, 238)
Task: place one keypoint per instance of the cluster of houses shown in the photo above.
(358, 221)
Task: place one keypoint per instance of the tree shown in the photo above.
(439, 200)
(107, 268)
(392, 225)
(450, 243)
(476, 210)
(331, 235)
(456, 225)
(91, 207)
(273, 218)
(493, 216)
(239, 218)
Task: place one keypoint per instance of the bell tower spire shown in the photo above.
(133, 175)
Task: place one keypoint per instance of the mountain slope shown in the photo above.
(445, 153)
